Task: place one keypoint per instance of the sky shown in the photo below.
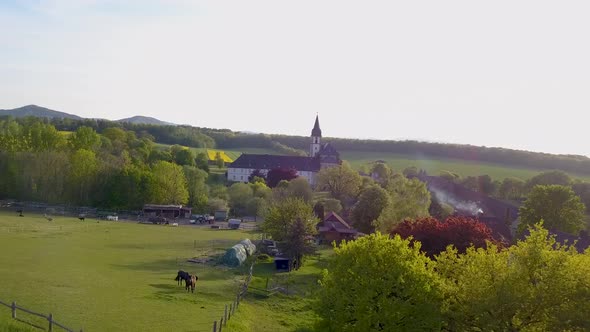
(512, 74)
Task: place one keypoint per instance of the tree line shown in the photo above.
(116, 168)
(227, 139)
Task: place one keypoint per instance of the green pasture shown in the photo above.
(113, 276)
(233, 153)
(291, 312)
(433, 166)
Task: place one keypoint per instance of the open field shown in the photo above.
(400, 161)
(433, 166)
(113, 276)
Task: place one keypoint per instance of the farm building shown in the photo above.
(335, 228)
(166, 211)
(320, 156)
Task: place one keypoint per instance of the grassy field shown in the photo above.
(433, 166)
(113, 276)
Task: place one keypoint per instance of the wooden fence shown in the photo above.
(231, 309)
(51, 321)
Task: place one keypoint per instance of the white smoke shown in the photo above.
(463, 206)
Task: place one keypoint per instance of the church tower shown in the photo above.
(316, 138)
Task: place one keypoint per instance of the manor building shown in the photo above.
(320, 156)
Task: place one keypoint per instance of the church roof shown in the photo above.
(266, 161)
(328, 149)
(316, 131)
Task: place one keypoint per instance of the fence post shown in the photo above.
(215, 326)
(50, 319)
(13, 309)
(225, 316)
(238, 300)
(221, 324)
(233, 312)
(267, 283)
(229, 314)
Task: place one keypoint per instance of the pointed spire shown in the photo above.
(316, 132)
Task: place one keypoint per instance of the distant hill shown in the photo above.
(37, 111)
(138, 119)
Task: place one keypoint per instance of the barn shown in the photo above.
(167, 211)
(335, 228)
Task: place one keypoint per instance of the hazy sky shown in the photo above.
(496, 73)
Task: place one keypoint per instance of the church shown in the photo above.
(320, 156)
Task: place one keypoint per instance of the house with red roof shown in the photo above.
(335, 228)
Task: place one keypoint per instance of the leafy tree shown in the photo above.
(486, 185)
(298, 243)
(257, 175)
(84, 138)
(282, 214)
(511, 188)
(410, 172)
(202, 161)
(197, 189)
(219, 191)
(240, 195)
(115, 134)
(160, 155)
(43, 137)
(11, 136)
(261, 190)
(184, 157)
(381, 171)
(219, 160)
(331, 205)
(342, 181)
(277, 175)
(558, 207)
(216, 204)
(436, 236)
(299, 187)
(377, 283)
(471, 182)
(408, 199)
(450, 176)
(257, 207)
(535, 285)
(83, 169)
(371, 203)
(582, 189)
(548, 178)
(170, 185)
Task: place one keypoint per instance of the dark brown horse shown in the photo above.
(181, 275)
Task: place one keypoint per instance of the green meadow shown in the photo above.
(113, 276)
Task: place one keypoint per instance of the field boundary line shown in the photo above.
(14, 308)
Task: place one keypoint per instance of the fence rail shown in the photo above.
(51, 321)
(231, 309)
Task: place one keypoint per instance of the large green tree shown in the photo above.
(408, 199)
(84, 138)
(535, 285)
(558, 206)
(83, 170)
(170, 186)
(511, 188)
(377, 283)
(369, 207)
(548, 178)
(282, 215)
(197, 188)
(341, 181)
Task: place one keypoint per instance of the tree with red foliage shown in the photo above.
(276, 175)
(435, 236)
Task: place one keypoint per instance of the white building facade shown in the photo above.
(320, 156)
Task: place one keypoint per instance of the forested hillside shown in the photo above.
(227, 139)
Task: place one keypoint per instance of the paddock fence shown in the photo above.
(230, 309)
(51, 322)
